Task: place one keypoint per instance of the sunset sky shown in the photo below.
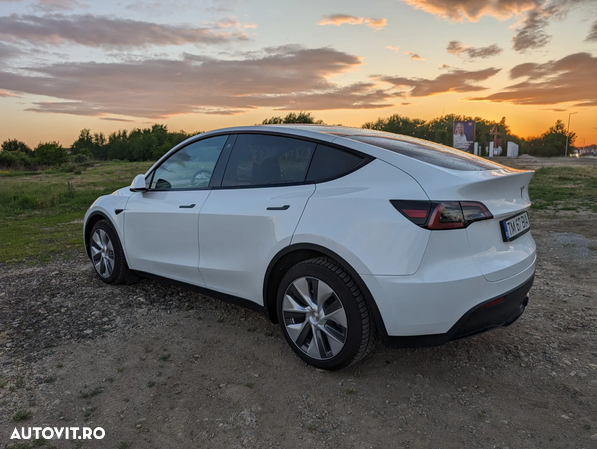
(200, 65)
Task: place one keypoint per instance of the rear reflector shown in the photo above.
(493, 303)
(415, 211)
(442, 215)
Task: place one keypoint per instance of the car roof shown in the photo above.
(323, 130)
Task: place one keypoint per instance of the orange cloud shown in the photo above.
(453, 81)
(376, 24)
(414, 56)
(394, 48)
(345, 19)
(458, 48)
(286, 77)
(101, 31)
(571, 78)
(341, 19)
(473, 10)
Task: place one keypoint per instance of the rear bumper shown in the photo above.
(481, 318)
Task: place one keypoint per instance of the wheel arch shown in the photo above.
(90, 223)
(293, 254)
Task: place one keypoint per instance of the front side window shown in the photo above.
(191, 167)
(259, 160)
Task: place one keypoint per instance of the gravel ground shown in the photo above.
(160, 367)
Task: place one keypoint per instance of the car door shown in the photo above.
(161, 224)
(254, 213)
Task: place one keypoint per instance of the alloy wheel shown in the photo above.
(314, 318)
(102, 253)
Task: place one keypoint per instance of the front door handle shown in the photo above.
(187, 206)
(285, 207)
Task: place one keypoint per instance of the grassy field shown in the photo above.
(571, 188)
(41, 213)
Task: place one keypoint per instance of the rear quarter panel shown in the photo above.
(353, 217)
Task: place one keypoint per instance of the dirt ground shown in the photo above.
(159, 367)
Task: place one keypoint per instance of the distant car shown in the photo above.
(575, 154)
(336, 233)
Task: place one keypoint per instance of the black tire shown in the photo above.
(119, 267)
(328, 344)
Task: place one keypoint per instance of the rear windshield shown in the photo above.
(428, 152)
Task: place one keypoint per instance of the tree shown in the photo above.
(16, 146)
(50, 153)
(293, 117)
(550, 143)
(85, 140)
(401, 125)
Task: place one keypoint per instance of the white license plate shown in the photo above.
(514, 227)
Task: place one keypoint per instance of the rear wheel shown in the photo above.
(106, 253)
(323, 315)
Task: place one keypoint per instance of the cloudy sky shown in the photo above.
(199, 65)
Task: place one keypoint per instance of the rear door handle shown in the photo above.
(285, 207)
(186, 206)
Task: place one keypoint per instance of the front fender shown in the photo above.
(108, 207)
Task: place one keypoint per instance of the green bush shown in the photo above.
(50, 153)
(80, 158)
(15, 160)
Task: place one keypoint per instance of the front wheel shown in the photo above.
(323, 315)
(106, 253)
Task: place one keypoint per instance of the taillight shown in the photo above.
(415, 211)
(438, 215)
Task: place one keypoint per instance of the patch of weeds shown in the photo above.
(252, 329)
(124, 445)
(593, 248)
(20, 383)
(481, 414)
(249, 384)
(88, 412)
(311, 427)
(21, 445)
(50, 379)
(3, 383)
(351, 391)
(126, 400)
(120, 369)
(165, 357)
(269, 333)
(21, 414)
(110, 379)
(60, 365)
(151, 384)
(199, 317)
(159, 374)
(38, 442)
(220, 319)
(90, 394)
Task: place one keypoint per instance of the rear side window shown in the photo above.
(329, 163)
(434, 154)
(258, 160)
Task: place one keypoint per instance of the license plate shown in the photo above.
(514, 227)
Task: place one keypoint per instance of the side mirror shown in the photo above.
(138, 184)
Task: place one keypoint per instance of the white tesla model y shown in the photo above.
(338, 234)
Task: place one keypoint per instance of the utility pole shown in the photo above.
(567, 133)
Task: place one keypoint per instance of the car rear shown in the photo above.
(479, 262)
